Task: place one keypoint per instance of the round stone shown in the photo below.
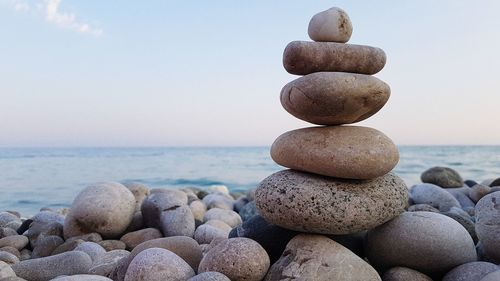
(230, 217)
(302, 58)
(424, 241)
(108, 262)
(135, 238)
(238, 258)
(106, 208)
(488, 224)
(332, 25)
(350, 152)
(443, 177)
(404, 274)
(472, 271)
(334, 98)
(210, 276)
(177, 221)
(317, 204)
(140, 192)
(158, 264)
(316, 257)
(94, 250)
(434, 196)
(478, 191)
(82, 277)
(15, 241)
(494, 276)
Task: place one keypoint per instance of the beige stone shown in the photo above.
(334, 98)
(135, 238)
(332, 25)
(317, 204)
(351, 152)
(302, 57)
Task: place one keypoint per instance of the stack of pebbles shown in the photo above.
(339, 181)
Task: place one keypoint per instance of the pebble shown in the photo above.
(218, 188)
(312, 203)
(94, 250)
(442, 176)
(464, 219)
(9, 220)
(312, 150)
(332, 25)
(106, 208)
(140, 192)
(302, 58)
(248, 211)
(404, 274)
(177, 221)
(8, 258)
(46, 245)
(15, 241)
(424, 241)
(494, 276)
(334, 98)
(205, 234)
(136, 223)
(495, 182)
(237, 258)
(198, 208)
(11, 250)
(472, 271)
(209, 276)
(488, 224)
(107, 263)
(68, 245)
(218, 200)
(82, 277)
(230, 217)
(462, 196)
(135, 238)
(157, 264)
(316, 257)
(110, 245)
(422, 207)
(69, 263)
(470, 183)
(7, 231)
(6, 271)
(478, 191)
(160, 200)
(25, 254)
(434, 196)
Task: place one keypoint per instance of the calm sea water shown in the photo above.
(31, 178)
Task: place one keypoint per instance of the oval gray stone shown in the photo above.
(488, 224)
(210, 276)
(332, 25)
(443, 177)
(404, 274)
(472, 271)
(434, 196)
(312, 203)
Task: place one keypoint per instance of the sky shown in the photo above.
(209, 73)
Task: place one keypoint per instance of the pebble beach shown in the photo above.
(335, 210)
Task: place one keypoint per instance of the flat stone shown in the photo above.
(434, 196)
(47, 268)
(424, 241)
(209, 276)
(237, 258)
(110, 245)
(135, 238)
(332, 25)
(472, 271)
(302, 58)
(94, 250)
(312, 203)
(334, 98)
(106, 208)
(404, 274)
(329, 151)
(230, 217)
(316, 257)
(442, 176)
(15, 241)
(488, 224)
(422, 207)
(158, 264)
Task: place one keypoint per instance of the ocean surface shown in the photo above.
(31, 178)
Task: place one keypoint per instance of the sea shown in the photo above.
(32, 178)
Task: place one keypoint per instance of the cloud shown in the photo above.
(52, 13)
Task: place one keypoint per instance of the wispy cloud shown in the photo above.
(52, 13)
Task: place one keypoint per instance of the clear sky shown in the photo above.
(153, 73)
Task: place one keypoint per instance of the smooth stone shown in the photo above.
(230, 217)
(316, 257)
(240, 203)
(158, 201)
(140, 192)
(108, 262)
(7, 231)
(462, 196)
(205, 234)
(334, 98)
(136, 223)
(38, 230)
(404, 274)
(237, 258)
(13, 278)
(354, 242)
(209, 276)
(177, 221)
(271, 237)
(89, 237)
(106, 208)
(303, 57)
(424, 241)
(442, 176)
(218, 200)
(94, 250)
(465, 220)
(219, 224)
(110, 245)
(495, 182)
(332, 25)
(218, 188)
(157, 264)
(494, 276)
(135, 238)
(11, 250)
(248, 211)
(434, 196)
(478, 191)
(472, 271)
(15, 241)
(488, 224)
(46, 245)
(68, 245)
(317, 204)
(42, 269)
(6, 271)
(470, 183)
(8, 219)
(329, 151)
(8, 258)
(198, 208)
(422, 207)
(82, 277)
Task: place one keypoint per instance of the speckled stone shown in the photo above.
(434, 196)
(82, 277)
(205, 233)
(6, 271)
(332, 25)
(160, 200)
(334, 98)
(494, 276)
(237, 258)
(15, 241)
(140, 192)
(318, 258)
(209, 276)
(472, 271)
(46, 245)
(107, 262)
(351, 152)
(404, 274)
(8, 258)
(230, 217)
(488, 224)
(422, 207)
(94, 250)
(312, 203)
(110, 245)
(302, 58)
(443, 177)
(158, 264)
(424, 241)
(106, 208)
(135, 238)
(177, 221)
